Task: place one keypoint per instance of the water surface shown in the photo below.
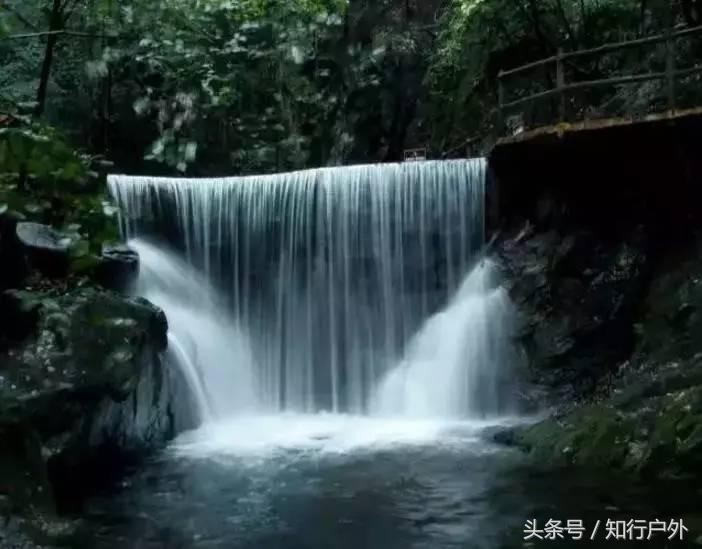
(314, 482)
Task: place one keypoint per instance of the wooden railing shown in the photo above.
(671, 73)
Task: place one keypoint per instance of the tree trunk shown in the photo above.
(566, 25)
(55, 24)
(106, 106)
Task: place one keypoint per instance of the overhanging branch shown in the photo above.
(56, 33)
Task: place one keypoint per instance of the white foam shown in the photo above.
(323, 434)
(458, 364)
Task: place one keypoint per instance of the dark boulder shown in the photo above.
(577, 298)
(118, 268)
(47, 250)
(84, 395)
(19, 315)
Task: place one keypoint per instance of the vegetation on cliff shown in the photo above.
(611, 312)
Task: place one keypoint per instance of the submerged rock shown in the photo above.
(83, 394)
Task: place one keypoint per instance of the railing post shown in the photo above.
(560, 85)
(670, 66)
(500, 103)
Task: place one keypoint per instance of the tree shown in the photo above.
(479, 38)
(220, 86)
(59, 13)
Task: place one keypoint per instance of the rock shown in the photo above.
(5, 507)
(671, 326)
(14, 267)
(53, 532)
(643, 414)
(660, 436)
(47, 249)
(648, 420)
(22, 478)
(13, 535)
(84, 395)
(19, 315)
(577, 298)
(42, 237)
(593, 437)
(118, 268)
(501, 435)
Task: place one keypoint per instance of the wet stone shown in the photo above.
(47, 249)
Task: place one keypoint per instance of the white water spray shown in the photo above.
(458, 364)
(209, 347)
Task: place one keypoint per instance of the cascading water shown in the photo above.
(300, 291)
(203, 338)
(361, 291)
(459, 362)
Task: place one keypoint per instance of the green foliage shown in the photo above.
(224, 86)
(479, 38)
(258, 82)
(227, 86)
(44, 179)
(37, 153)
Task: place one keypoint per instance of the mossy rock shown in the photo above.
(595, 436)
(675, 442)
(19, 314)
(662, 435)
(87, 216)
(671, 326)
(84, 390)
(23, 478)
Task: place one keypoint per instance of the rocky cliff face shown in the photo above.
(603, 259)
(83, 391)
(577, 298)
(647, 416)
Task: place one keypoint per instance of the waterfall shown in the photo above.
(203, 337)
(302, 291)
(459, 362)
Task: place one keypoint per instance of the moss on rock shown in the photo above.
(660, 435)
(595, 436)
(645, 418)
(82, 391)
(83, 216)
